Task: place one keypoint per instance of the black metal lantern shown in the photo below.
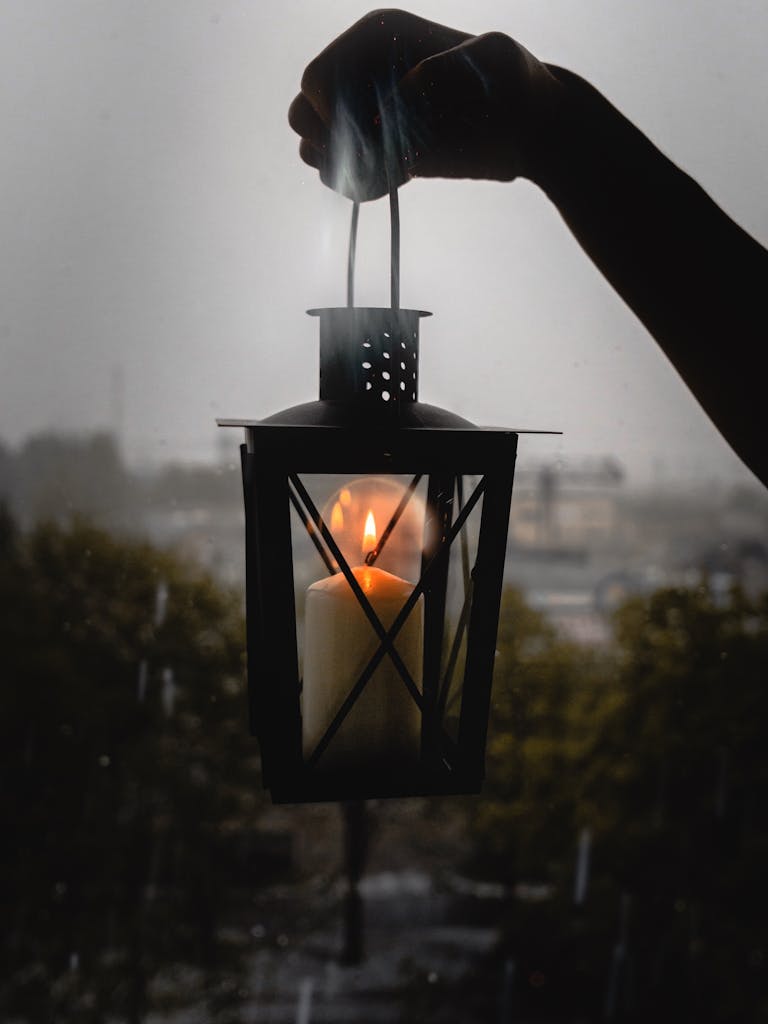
(376, 530)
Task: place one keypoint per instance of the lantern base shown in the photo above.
(335, 787)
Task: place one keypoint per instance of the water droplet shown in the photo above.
(141, 682)
(168, 695)
(161, 602)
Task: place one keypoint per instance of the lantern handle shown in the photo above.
(351, 255)
(394, 253)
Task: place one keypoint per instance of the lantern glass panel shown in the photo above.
(362, 704)
(458, 606)
(344, 503)
(373, 527)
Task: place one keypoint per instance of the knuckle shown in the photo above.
(495, 43)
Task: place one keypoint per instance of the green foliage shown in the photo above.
(545, 693)
(129, 779)
(123, 734)
(681, 772)
(658, 747)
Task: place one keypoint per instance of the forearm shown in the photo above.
(692, 276)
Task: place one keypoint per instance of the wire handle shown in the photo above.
(394, 254)
(351, 254)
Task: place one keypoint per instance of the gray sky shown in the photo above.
(156, 225)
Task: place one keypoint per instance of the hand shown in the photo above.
(397, 96)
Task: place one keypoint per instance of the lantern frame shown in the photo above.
(350, 431)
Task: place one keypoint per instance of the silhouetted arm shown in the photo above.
(696, 280)
(396, 96)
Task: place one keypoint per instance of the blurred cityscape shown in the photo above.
(581, 540)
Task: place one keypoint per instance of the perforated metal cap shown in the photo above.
(369, 355)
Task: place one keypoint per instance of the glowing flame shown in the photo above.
(369, 533)
(345, 497)
(337, 518)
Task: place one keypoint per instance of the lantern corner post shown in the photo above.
(488, 582)
(440, 490)
(272, 656)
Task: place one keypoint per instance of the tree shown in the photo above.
(545, 691)
(681, 772)
(123, 734)
(658, 747)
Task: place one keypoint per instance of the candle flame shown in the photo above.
(369, 533)
(337, 517)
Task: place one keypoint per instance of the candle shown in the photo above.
(384, 724)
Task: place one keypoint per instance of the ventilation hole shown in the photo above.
(402, 385)
(385, 374)
(413, 355)
(385, 334)
(413, 395)
(366, 344)
(414, 335)
(368, 385)
(366, 366)
(402, 366)
(385, 354)
(385, 395)
(414, 376)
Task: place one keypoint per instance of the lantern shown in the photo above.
(376, 530)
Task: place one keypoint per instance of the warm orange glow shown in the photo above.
(345, 497)
(369, 533)
(337, 518)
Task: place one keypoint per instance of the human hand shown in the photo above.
(396, 96)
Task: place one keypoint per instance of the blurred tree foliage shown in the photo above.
(128, 777)
(546, 692)
(658, 748)
(126, 767)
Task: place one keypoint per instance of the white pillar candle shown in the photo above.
(384, 724)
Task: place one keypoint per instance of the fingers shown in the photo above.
(306, 122)
(310, 154)
(352, 128)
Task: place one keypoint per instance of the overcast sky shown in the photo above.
(160, 239)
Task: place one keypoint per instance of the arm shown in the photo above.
(397, 97)
(692, 276)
